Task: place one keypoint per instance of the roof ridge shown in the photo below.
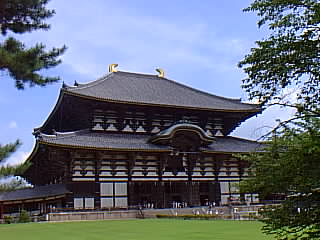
(140, 74)
(92, 83)
(105, 77)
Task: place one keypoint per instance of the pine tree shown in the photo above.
(7, 170)
(23, 63)
(5, 152)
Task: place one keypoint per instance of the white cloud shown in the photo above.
(256, 127)
(119, 34)
(17, 158)
(13, 124)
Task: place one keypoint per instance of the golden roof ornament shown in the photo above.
(161, 72)
(112, 67)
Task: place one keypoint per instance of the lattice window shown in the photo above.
(89, 203)
(78, 203)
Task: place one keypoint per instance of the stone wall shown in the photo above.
(96, 215)
(241, 212)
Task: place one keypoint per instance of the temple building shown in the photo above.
(130, 139)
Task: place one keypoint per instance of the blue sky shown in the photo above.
(197, 43)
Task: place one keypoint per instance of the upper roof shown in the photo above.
(132, 142)
(153, 90)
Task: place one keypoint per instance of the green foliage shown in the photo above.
(21, 16)
(8, 219)
(290, 163)
(6, 170)
(289, 167)
(285, 222)
(189, 216)
(8, 149)
(289, 57)
(311, 232)
(23, 64)
(24, 217)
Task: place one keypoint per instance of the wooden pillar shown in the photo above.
(242, 168)
(193, 187)
(194, 194)
(43, 207)
(1, 210)
(215, 194)
(98, 160)
(132, 198)
(192, 160)
(163, 158)
(157, 194)
(162, 202)
(131, 161)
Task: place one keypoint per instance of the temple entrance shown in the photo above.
(174, 194)
(145, 194)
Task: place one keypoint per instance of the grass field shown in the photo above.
(150, 229)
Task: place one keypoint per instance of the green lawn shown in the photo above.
(149, 229)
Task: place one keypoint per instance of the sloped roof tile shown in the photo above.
(154, 90)
(88, 139)
(35, 192)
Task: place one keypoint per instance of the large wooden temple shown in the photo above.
(130, 139)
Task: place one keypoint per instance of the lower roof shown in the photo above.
(37, 192)
(133, 142)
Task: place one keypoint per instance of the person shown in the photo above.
(209, 210)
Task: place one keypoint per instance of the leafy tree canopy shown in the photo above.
(290, 163)
(22, 63)
(289, 168)
(289, 57)
(287, 61)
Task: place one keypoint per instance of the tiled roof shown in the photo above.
(34, 193)
(97, 140)
(234, 145)
(88, 139)
(151, 89)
